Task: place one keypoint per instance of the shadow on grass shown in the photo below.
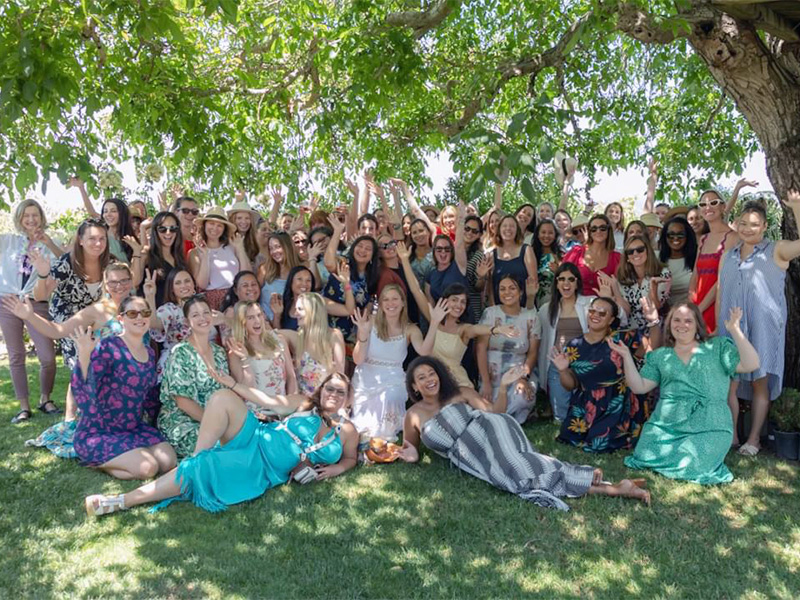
(400, 531)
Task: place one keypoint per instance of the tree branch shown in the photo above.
(423, 21)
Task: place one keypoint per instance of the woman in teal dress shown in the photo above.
(238, 458)
(691, 429)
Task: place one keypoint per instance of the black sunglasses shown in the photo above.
(167, 228)
(190, 211)
(471, 229)
(598, 228)
(676, 235)
(637, 250)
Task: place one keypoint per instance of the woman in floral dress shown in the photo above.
(187, 385)
(603, 415)
(116, 391)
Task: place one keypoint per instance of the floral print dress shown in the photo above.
(603, 414)
(176, 330)
(118, 402)
(185, 374)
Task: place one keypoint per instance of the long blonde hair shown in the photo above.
(267, 336)
(314, 329)
(381, 324)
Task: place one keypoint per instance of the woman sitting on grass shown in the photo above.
(477, 437)
(237, 458)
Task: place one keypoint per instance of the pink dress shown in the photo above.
(589, 277)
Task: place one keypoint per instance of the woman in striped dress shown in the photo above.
(752, 276)
(477, 437)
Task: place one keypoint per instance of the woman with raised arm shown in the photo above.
(116, 391)
(752, 276)
(318, 349)
(473, 230)
(563, 319)
(218, 256)
(548, 258)
(513, 256)
(187, 385)
(246, 221)
(678, 250)
(596, 255)
(470, 433)
(17, 279)
(421, 250)
(272, 275)
(720, 239)
(450, 262)
(162, 254)
(603, 415)
(379, 396)
(497, 354)
(300, 281)
(237, 459)
(116, 215)
(259, 357)
(691, 430)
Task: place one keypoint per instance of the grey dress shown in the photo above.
(493, 447)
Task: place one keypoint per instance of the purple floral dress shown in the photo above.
(117, 400)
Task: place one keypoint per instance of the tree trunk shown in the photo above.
(764, 82)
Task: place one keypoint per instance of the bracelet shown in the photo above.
(397, 226)
(491, 331)
(655, 323)
(135, 257)
(362, 341)
(347, 287)
(42, 276)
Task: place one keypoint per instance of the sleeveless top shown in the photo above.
(450, 348)
(386, 353)
(707, 266)
(270, 377)
(223, 267)
(310, 373)
(516, 267)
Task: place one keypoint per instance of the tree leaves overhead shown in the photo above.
(253, 92)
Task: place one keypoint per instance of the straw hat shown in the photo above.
(580, 221)
(677, 211)
(650, 219)
(244, 207)
(564, 166)
(218, 215)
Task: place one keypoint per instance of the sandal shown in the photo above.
(749, 450)
(21, 417)
(98, 504)
(49, 408)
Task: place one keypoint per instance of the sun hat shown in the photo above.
(215, 213)
(243, 206)
(564, 166)
(677, 211)
(581, 220)
(650, 219)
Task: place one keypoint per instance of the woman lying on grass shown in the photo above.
(238, 458)
(480, 439)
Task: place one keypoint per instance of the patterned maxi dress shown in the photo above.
(118, 402)
(603, 414)
(379, 388)
(186, 375)
(507, 352)
(493, 447)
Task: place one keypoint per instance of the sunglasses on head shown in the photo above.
(133, 314)
(190, 211)
(714, 202)
(563, 279)
(167, 228)
(595, 228)
(637, 250)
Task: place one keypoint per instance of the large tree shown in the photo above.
(245, 93)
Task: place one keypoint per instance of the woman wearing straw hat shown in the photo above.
(246, 221)
(218, 256)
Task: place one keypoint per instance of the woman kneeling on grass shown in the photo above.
(480, 439)
(238, 458)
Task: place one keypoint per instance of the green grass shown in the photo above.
(396, 531)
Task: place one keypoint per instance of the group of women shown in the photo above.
(231, 355)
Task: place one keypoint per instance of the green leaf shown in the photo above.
(526, 187)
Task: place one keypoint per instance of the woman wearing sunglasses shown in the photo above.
(596, 255)
(603, 414)
(161, 255)
(115, 388)
(237, 458)
(719, 239)
(677, 246)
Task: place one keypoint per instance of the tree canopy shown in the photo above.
(255, 92)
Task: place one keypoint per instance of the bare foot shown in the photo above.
(628, 489)
(640, 483)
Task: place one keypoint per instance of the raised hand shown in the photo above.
(316, 249)
(277, 196)
(438, 312)
(75, 182)
(351, 185)
(276, 303)
(403, 252)
(82, 336)
(652, 167)
(399, 183)
(408, 453)
(514, 374)
(337, 226)
(240, 195)
(792, 199)
(531, 286)
(649, 309)
(606, 284)
(133, 243)
(236, 348)
(343, 273)
(362, 319)
(743, 182)
(485, 266)
(149, 285)
(375, 189)
(22, 309)
(559, 358)
(40, 262)
(618, 347)
(238, 240)
(733, 320)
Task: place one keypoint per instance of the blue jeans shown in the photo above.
(559, 397)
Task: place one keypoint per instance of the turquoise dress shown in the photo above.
(260, 457)
(691, 429)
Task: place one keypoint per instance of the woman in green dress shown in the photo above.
(187, 383)
(691, 429)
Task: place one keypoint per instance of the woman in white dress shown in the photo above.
(379, 394)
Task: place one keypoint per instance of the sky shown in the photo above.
(611, 187)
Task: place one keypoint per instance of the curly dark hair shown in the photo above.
(448, 387)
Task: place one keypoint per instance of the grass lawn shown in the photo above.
(396, 531)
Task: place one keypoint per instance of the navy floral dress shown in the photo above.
(603, 414)
(334, 291)
(117, 400)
